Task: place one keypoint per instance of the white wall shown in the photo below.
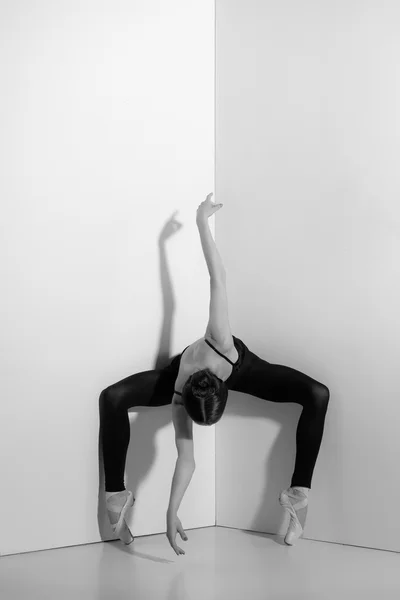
(107, 130)
(107, 120)
(307, 163)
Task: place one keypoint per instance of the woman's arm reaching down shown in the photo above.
(185, 463)
(184, 469)
(182, 476)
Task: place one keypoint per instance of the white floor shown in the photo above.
(219, 564)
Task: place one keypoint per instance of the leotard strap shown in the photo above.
(220, 353)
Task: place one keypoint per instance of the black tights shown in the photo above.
(252, 375)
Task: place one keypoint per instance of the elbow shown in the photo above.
(187, 461)
(218, 276)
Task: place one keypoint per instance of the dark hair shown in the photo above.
(204, 396)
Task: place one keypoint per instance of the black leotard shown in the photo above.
(250, 375)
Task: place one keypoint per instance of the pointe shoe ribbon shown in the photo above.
(120, 528)
(292, 503)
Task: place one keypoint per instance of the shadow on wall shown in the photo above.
(144, 428)
(270, 516)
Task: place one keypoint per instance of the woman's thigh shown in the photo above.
(147, 388)
(277, 383)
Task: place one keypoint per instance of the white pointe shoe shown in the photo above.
(116, 514)
(296, 505)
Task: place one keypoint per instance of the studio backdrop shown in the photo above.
(117, 119)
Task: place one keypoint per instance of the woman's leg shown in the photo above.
(279, 383)
(148, 388)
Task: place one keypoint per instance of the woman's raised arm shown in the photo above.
(213, 259)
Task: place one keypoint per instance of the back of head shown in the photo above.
(205, 396)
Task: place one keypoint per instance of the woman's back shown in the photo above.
(200, 355)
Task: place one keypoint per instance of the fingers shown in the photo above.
(216, 207)
(175, 547)
(182, 534)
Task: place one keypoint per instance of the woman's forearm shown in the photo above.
(210, 250)
(184, 470)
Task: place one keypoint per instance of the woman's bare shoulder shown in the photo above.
(225, 349)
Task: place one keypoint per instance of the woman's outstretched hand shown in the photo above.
(206, 209)
(174, 526)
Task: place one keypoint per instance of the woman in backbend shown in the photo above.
(196, 383)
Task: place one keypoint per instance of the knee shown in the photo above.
(320, 396)
(108, 398)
